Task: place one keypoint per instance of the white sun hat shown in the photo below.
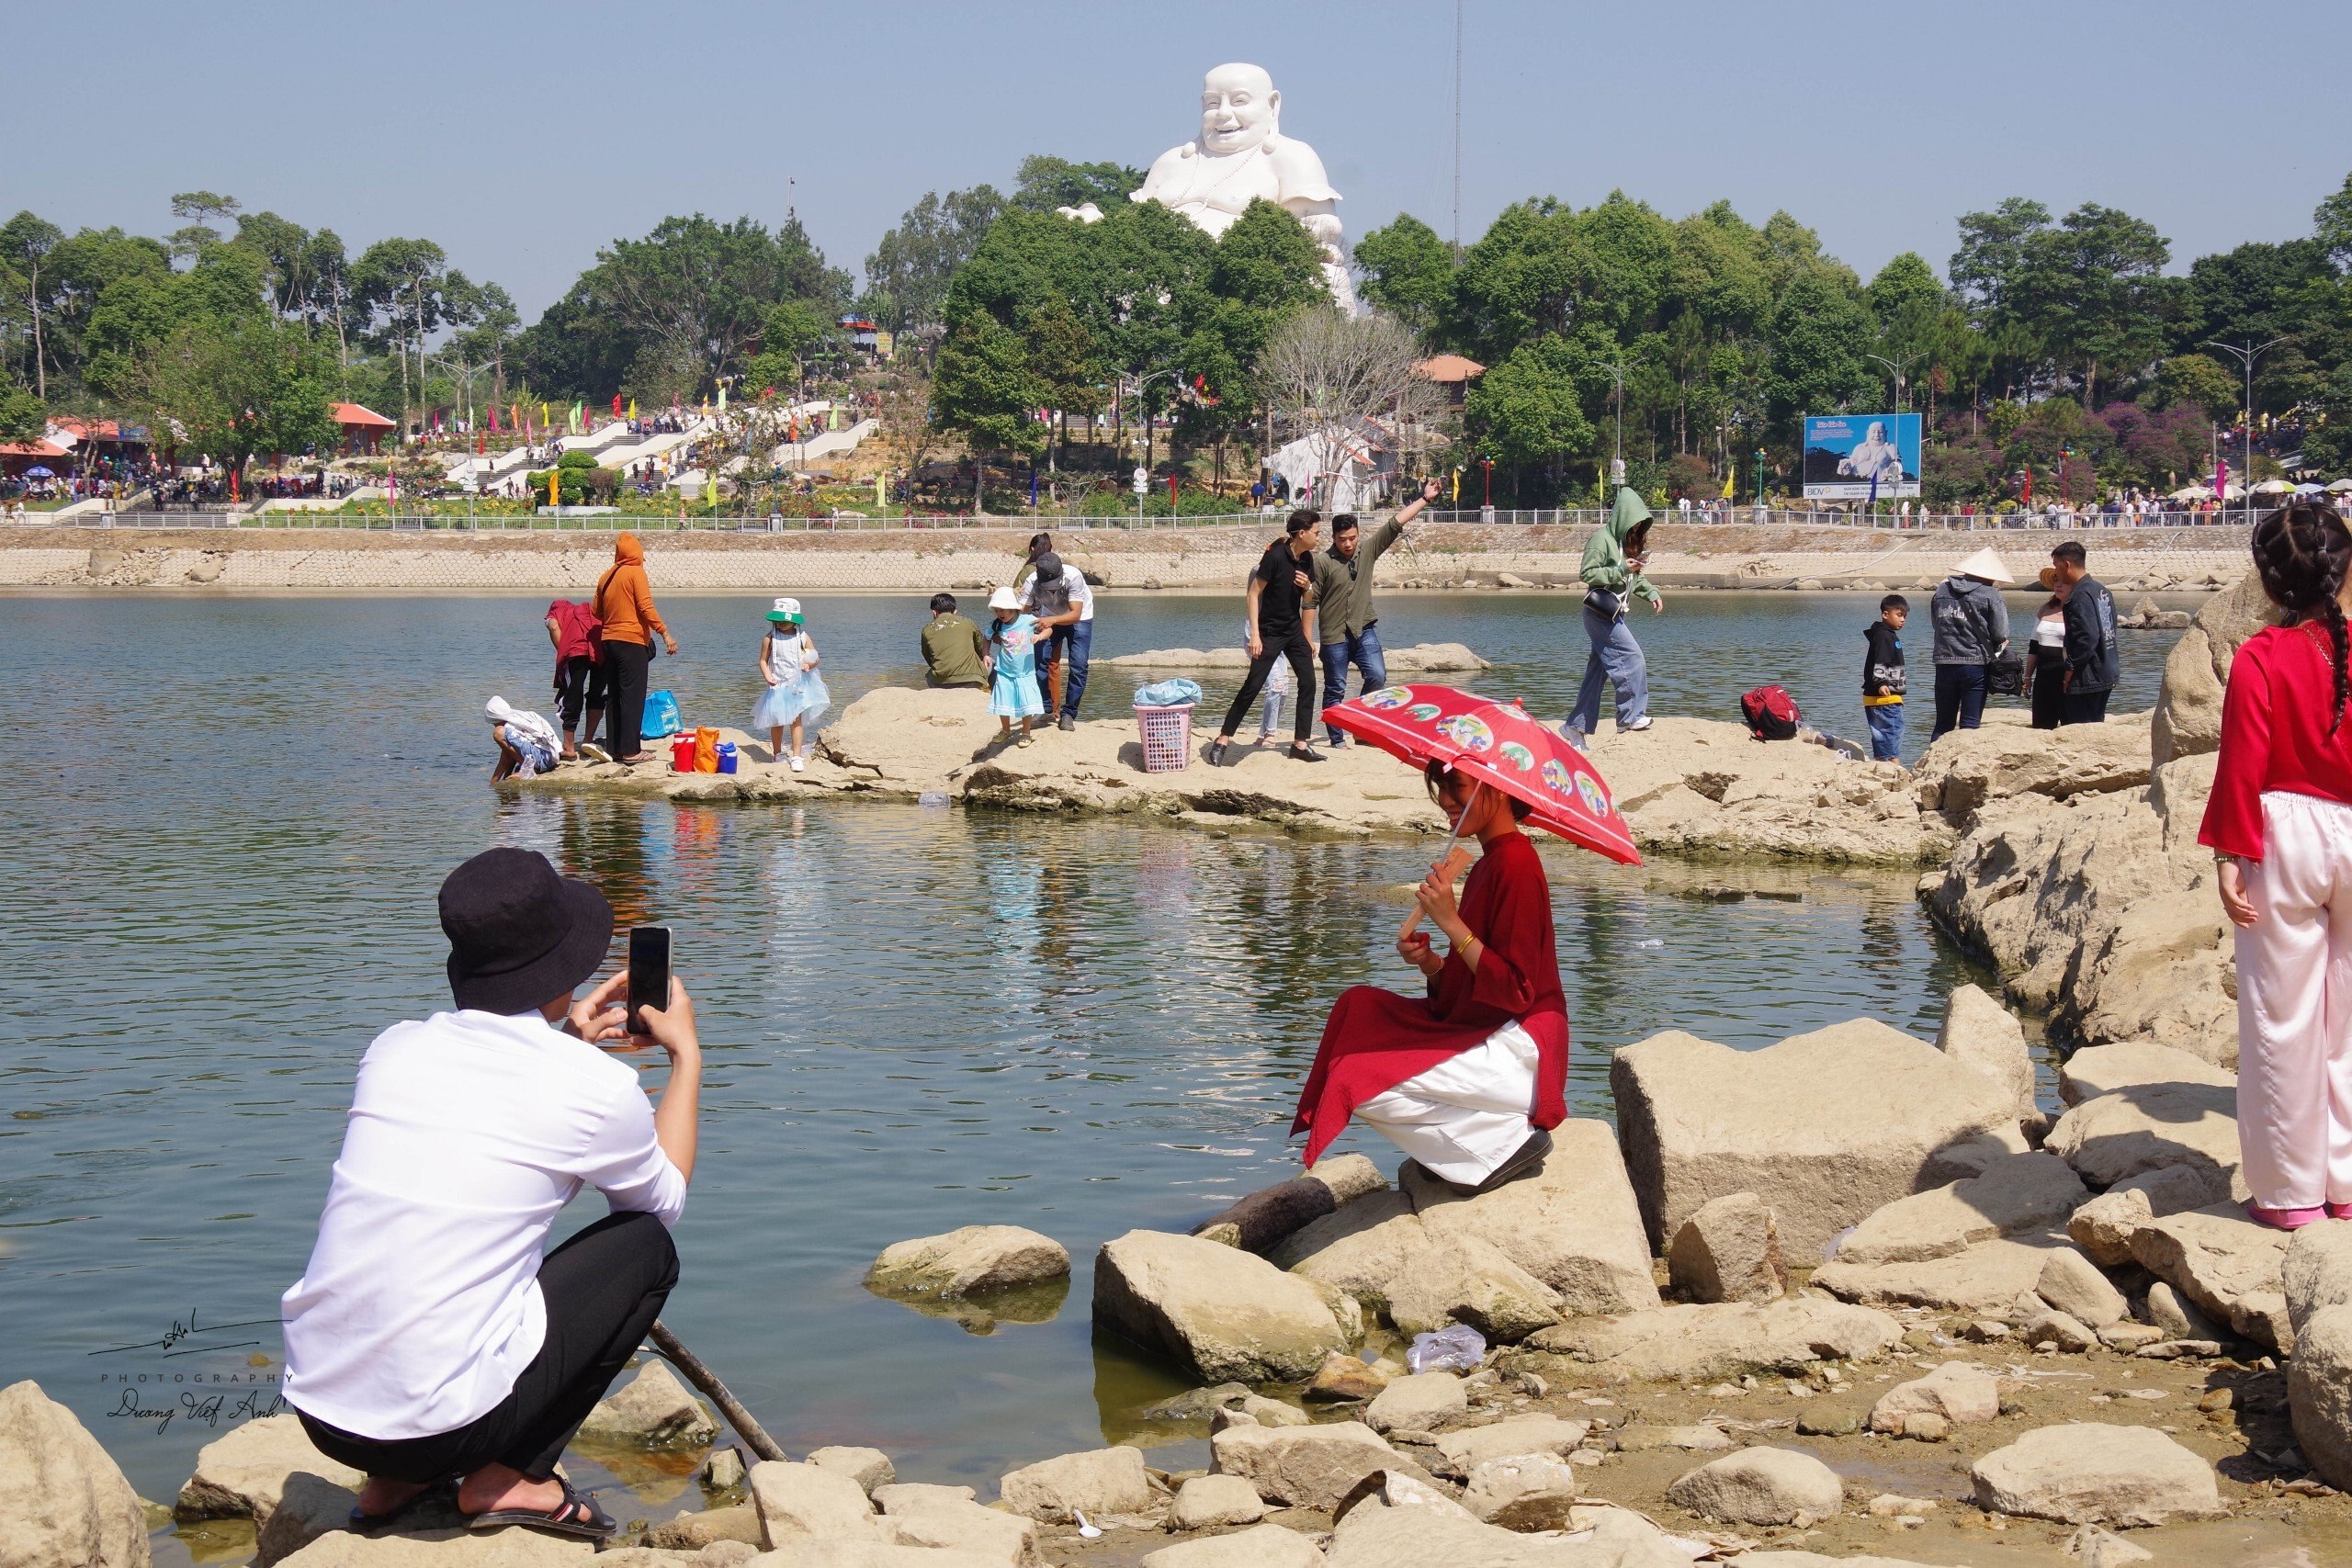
(1004, 598)
(1986, 565)
(785, 610)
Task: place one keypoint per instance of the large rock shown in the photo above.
(1267, 1546)
(1525, 1492)
(968, 1261)
(1467, 1279)
(653, 1409)
(2107, 1069)
(517, 1548)
(1958, 1393)
(1573, 1223)
(241, 1475)
(1472, 1446)
(1710, 1343)
(2226, 1264)
(1984, 1279)
(1096, 1481)
(1966, 768)
(311, 1507)
(1729, 1250)
(926, 1517)
(1302, 1467)
(2072, 1283)
(1759, 1486)
(2087, 1473)
(1381, 1535)
(2014, 1193)
(1206, 1502)
(870, 1468)
(64, 1503)
(1219, 1312)
(2319, 1391)
(1824, 1127)
(842, 1552)
(1980, 1033)
(1416, 1403)
(2188, 717)
(2147, 1127)
(1362, 1249)
(806, 1500)
(2105, 1226)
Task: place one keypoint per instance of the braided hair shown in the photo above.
(2302, 552)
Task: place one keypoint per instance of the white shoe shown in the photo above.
(1572, 734)
(1641, 723)
(798, 766)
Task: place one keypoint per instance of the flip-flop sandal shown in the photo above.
(576, 1515)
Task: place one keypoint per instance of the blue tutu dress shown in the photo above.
(1013, 693)
(802, 696)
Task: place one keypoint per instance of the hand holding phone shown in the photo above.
(648, 974)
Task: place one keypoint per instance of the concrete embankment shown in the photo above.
(1685, 557)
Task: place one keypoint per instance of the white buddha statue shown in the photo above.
(1240, 156)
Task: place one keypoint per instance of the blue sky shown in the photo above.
(524, 136)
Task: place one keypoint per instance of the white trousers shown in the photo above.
(1465, 1116)
(2295, 1007)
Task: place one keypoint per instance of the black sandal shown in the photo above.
(364, 1523)
(576, 1515)
(1217, 752)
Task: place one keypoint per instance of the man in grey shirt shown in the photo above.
(1971, 625)
(1343, 599)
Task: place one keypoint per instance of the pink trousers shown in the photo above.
(2295, 1007)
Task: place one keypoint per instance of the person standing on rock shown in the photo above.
(2280, 825)
(1057, 594)
(1611, 570)
(2094, 656)
(2045, 656)
(429, 1338)
(1279, 611)
(1343, 604)
(1469, 1077)
(624, 603)
(579, 674)
(1970, 624)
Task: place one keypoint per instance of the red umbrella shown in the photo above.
(1501, 748)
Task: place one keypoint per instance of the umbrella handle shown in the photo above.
(1445, 858)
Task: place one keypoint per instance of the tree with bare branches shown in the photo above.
(1348, 384)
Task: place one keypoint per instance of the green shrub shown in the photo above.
(576, 460)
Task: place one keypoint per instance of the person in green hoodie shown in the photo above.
(1613, 559)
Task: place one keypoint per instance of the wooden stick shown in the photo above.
(703, 1378)
(1455, 861)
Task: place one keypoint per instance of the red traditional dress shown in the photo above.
(1456, 1077)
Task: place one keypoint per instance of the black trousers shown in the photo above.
(1291, 644)
(2085, 707)
(2048, 695)
(602, 1289)
(582, 684)
(629, 663)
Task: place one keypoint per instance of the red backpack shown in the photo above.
(1771, 714)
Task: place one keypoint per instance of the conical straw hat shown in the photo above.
(1983, 564)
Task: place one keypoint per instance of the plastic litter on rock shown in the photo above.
(1456, 1349)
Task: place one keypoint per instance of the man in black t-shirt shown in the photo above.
(1280, 604)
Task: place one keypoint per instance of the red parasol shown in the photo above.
(1501, 748)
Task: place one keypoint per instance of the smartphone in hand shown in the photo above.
(648, 973)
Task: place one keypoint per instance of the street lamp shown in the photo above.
(1895, 367)
(2246, 354)
(1759, 478)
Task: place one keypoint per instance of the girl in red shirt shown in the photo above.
(2280, 823)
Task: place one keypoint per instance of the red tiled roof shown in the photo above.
(1450, 368)
(355, 414)
(30, 449)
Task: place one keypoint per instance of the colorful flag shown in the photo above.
(579, 412)
(494, 419)
(617, 405)
(2221, 479)
(1729, 479)
(632, 411)
(545, 417)
(710, 490)
(722, 397)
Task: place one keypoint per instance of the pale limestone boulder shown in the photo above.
(1956, 1392)
(723, 1471)
(1974, 1156)
(806, 1500)
(1410, 1488)
(2315, 1271)
(1345, 1379)
(2072, 1284)
(2016, 1194)
(850, 1552)
(1350, 1176)
(1759, 1486)
(2106, 1069)
(2060, 1331)
(1376, 1535)
(1302, 1467)
(2104, 1226)
(1267, 1546)
(692, 1532)
(2095, 1548)
(311, 1506)
(2227, 1265)
(1525, 1492)
(1980, 1033)
(1572, 1223)
(1420, 1402)
(1711, 1343)
(2147, 1127)
(1362, 1249)
(1824, 1127)
(241, 1475)
(1980, 1280)
(1471, 1447)
(1966, 767)
(1096, 1481)
(2319, 1391)
(1206, 1502)
(870, 1468)
(1460, 1278)
(918, 1516)
(1219, 1312)
(492, 1549)
(64, 1503)
(2180, 1319)
(2188, 717)
(968, 1261)
(1271, 1412)
(1639, 1439)
(652, 1410)
(1729, 1250)
(2087, 1473)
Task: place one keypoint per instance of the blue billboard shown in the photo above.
(1854, 457)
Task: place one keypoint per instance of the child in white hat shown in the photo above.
(795, 693)
(1012, 664)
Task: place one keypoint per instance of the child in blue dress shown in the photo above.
(1012, 665)
(795, 693)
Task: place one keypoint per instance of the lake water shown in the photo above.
(226, 819)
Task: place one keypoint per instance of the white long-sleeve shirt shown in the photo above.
(468, 1135)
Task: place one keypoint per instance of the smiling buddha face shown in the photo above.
(1240, 109)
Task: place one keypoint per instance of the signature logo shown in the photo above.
(211, 1409)
(176, 1339)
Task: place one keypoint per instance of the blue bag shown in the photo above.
(661, 716)
(1178, 693)
(727, 756)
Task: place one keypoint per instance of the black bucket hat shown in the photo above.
(519, 935)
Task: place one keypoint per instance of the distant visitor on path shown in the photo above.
(2280, 825)
(429, 1338)
(578, 637)
(624, 603)
(1613, 560)
(1278, 608)
(953, 652)
(1057, 594)
(1970, 627)
(1344, 610)
(2045, 654)
(795, 693)
(1468, 1078)
(2094, 658)
(1884, 679)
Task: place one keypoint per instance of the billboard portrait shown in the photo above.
(1846, 454)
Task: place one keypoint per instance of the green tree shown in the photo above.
(1045, 183)
(140, 310)
(203, 209)
(26, 244)
(1529, 410)
(2332, 224)
(985, 389)
(2202, 382)
(1061, 355)
(234, 388)
(23, 417)
(1817, 331)
(795, 332)
(1408, 272)
(907, 275)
